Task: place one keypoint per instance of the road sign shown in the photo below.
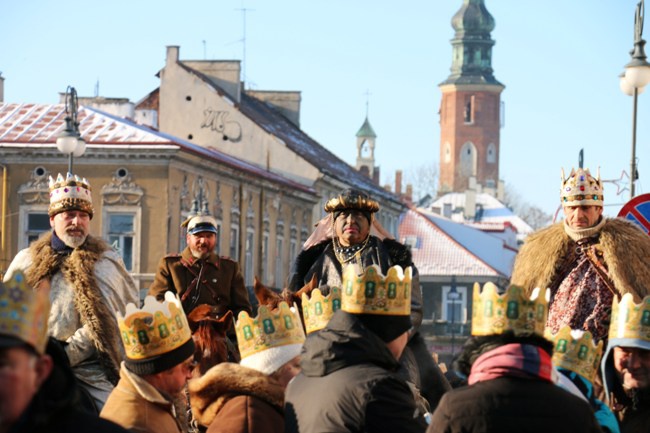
(638, 211)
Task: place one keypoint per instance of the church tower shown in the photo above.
(470, 105)
(366, 150)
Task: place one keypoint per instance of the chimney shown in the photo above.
(409, 192)
(446, 210)
(172, 54)
(398, 183)
(2, 88)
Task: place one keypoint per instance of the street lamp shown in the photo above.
(635, 78)
(453, 296)
(70, 141)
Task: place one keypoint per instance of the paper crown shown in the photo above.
(24, 311)
(71, 193)
(372, 293)
(576, 350)
(352, 199)
(271, 328)
(318, 309)
(512, 311)
(581, 189)
(155, 329)
(630, 320)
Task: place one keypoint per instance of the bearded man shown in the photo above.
(88, 282)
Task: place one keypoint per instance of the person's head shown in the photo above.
(71, 208)
(288, 371)
(582, 199)
(632, 365)
(158, 342)
(201, 235)
(352, 212)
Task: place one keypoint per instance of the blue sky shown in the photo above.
(558, 59)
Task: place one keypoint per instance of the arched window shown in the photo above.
(491, 153)
(468, 159)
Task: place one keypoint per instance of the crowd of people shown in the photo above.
(564, 348)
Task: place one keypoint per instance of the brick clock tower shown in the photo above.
(470, 106)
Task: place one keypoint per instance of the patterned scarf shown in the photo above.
(512, 360)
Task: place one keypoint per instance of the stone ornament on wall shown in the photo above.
(218, 122)
(250, 213)
(36, 190)
(122, 190)
(186, 203)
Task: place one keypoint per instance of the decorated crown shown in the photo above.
(581, 189)
(576, 350)
(318, 309)
(512, 311)
(271, 328)
(155, 329)
(24, 311)
(71, 193)
(630, 320)
(352, 199)
(372, 293)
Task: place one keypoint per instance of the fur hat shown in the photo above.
(71, 193)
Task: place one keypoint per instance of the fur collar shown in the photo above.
(210, 392)
(78, 269)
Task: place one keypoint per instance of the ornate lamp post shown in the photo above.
(70, 140)
(635, 78)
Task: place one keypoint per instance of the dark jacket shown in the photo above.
(509, 404)
(349, 383)
(221, 283)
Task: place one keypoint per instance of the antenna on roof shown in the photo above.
(367, 101)
(244, 10)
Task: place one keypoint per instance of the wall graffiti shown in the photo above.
(217, 121)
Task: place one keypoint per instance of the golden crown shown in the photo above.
(69, 193)
(271, 328)
(154, 329)
(630, 320)
(372, 293)
(352, 199)
(576, 350)
(24, 311)
(512, 311)
(318, 309)
(581, 189)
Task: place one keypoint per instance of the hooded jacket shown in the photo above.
(358, 372)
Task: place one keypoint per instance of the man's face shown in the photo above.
(201, 244)
(352, 227)
(582, 217)
(173, 381)
(633, 367)
(21, 375)
(71, 227)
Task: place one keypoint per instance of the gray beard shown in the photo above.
(198, 254)
(73, 241)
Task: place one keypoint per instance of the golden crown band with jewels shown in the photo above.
(271, 328)
(155, 329)
(576, 350)
(70, 193)
(24, 311)
(372, 293)
(512, 311)
(317, 309)
(581, 189)
(352, 199)
(629, 319)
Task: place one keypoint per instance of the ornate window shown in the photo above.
(34, 198)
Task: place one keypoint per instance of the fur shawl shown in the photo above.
(624, 247)
(78, 269)
(210, 392)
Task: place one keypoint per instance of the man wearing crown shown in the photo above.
(586, 260)
(626, 364)
(199, 275)
(88, 281)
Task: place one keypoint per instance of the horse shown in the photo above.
(271, 298)
(212, 345)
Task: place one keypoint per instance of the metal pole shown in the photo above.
(633, 161)
(70, 164)
(453, 333)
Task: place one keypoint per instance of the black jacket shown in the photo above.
(349, 383)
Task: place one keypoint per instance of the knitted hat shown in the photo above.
(71, 193)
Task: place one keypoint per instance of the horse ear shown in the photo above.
(226, 321)
(307, 288)
(264, 295)
(199, 313)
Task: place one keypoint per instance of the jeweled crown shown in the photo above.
(576, 350)
(271, 328)
(70, 193)
(318, 309)
(155, 329)
(511, 311)
(629, 319)
(373, 293)
(581, 189)
(24, 311)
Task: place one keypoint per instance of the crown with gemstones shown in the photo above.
(318, 309)
(352, 199)
(24, 311)
(581, 189)
(629, 319)
(373, 293)
(70, 193)
(155, 329)
(512, 311)
(271, 328)
(576, 350)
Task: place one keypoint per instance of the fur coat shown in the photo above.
(230, 398)
(623, 246)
